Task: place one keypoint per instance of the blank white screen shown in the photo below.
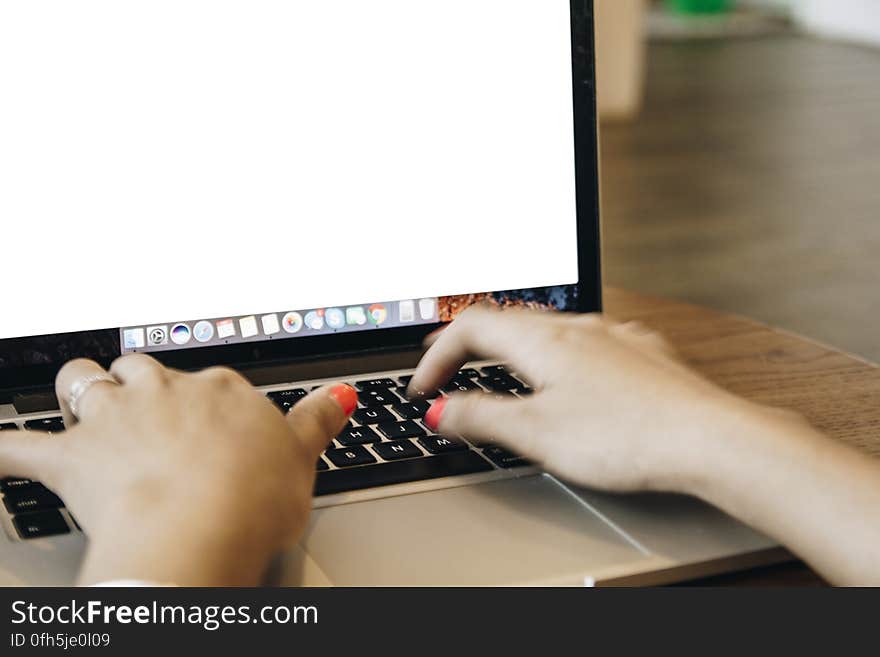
(177, 159)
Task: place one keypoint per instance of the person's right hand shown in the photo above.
(613, 406)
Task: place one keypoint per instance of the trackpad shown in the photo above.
(524, 531)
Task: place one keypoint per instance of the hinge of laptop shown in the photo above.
(339, 366)
(44, 399)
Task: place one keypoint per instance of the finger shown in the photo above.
(90, 398)
(481, 332)
(645, 339)
(32, 454)
(479, 416)
(432, 337)
(225, 375)
(136, 367)
(322, 415)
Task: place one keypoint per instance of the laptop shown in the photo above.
(303, 191)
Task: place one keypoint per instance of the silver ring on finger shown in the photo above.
(81, 386)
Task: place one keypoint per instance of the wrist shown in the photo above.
(729, 438)
(741, 447)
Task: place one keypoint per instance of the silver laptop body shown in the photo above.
(501, 527)
(464, 517)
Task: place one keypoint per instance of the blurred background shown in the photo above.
(741, 158)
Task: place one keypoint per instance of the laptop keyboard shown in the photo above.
(385, 443)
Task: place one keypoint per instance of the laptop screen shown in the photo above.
(187, 174)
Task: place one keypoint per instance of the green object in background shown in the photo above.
(698, 6)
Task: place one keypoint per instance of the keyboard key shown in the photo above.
(403, 381)
(398, 472)
(322, 464)
(35, 497)
(399, 449)
(523, 381)
(372, 384)
(349, 456)
(460, 385)
(469, 373)
(50, 424)
(493, 370)
(400, 430)
(504, 458)
(285, 405)
(358, 436)
(44, 523)
(500, 383)
(441, 444)
(377, 397)
(8, 426)
(287, 399)
(412, 411)
(11, 483)
(293, 393)
(373, 415)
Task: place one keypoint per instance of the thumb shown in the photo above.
(322, 415)
(485, 417)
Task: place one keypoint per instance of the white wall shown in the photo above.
(852, 20)
(857, 20)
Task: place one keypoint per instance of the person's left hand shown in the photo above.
(191, 479)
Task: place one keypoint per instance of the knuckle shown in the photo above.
(474, 314)
(122, 361)
(135, 358)
(575, 329)
(643, 334)
(562, 332)
(144, 366)
(224, 376)
(74, 364)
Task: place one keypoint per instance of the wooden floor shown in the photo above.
(751, 183)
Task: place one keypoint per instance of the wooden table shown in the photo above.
(838, 393)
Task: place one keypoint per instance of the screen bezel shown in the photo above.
(589, 290)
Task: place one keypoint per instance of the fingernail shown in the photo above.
(435, 413)
(346, 397)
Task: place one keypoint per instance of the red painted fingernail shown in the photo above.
(432, 417)
(346, 397)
